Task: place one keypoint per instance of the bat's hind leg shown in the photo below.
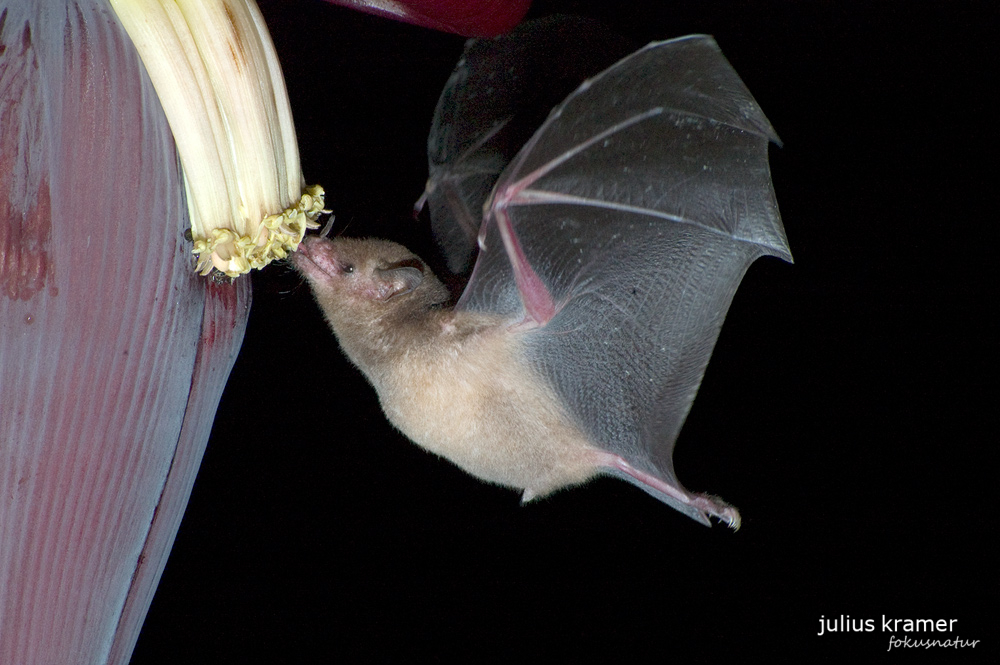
(706, 504)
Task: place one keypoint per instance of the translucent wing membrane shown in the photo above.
(497, 96)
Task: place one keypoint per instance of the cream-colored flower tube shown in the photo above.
(216, 72)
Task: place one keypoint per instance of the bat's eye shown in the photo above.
(347, 269)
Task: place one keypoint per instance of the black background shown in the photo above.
(844, 410)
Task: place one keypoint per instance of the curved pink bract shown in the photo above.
(471, 18)
(113, 353)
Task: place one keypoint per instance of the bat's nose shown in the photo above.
(311, 246)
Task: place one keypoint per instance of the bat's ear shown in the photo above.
(400, 277)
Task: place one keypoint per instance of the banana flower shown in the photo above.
(218, 77)
(113, 350)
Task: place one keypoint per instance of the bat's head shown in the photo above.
(358, 280)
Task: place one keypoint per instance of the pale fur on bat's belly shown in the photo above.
(473, 401)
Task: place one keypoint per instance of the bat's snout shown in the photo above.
(318, 259)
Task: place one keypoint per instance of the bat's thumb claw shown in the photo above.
(418, 207)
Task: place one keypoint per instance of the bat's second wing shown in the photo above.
(616, 240)
(493, 102)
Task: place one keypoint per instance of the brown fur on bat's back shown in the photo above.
(454, 382)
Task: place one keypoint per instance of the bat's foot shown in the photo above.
(718, 509)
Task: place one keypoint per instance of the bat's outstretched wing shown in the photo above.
(493, 102)
(616, 239)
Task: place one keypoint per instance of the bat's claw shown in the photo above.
(418, 207)
(717, 508)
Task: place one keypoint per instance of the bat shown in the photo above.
(609, 249)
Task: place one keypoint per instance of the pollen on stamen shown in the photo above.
(276, 237)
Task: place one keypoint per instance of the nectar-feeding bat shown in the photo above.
(609, 249)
